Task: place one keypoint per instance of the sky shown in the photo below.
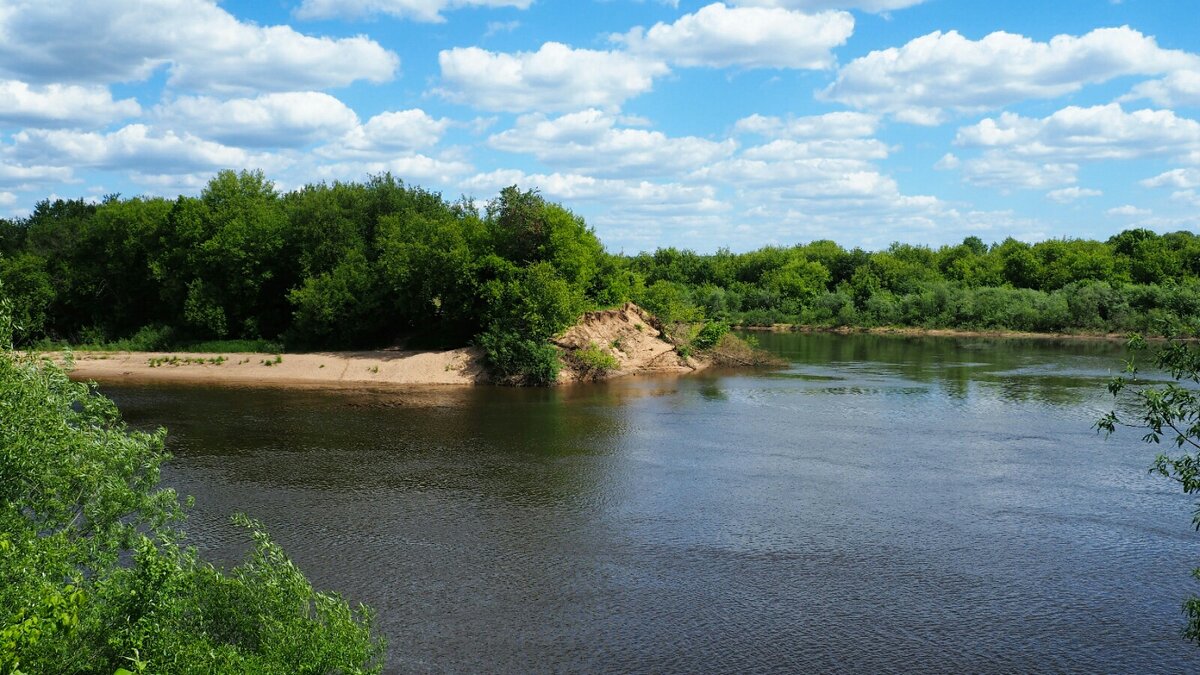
(663, 123)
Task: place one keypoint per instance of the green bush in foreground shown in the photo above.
(1170, 411)
(94, 578)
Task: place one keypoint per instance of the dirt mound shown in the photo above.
(618, 342)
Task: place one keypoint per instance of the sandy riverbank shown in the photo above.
(453, 367)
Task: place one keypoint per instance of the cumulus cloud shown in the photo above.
(590, 142)
(940, 72)
(203, 47)
(718, 36)
(389, 133)
(948, 162)
(1180, 88)
(418, 10)
(59, 105)
(633, 195)
(18, 176)
(1128, 211)
(1000, 171)
(1184, 179)
(134, 147)
(412, 168)
(1187, 197)
(829, 125)
(844, 148)
(1104, 132)
(293, 119)
(1071, 194)
(555, 77)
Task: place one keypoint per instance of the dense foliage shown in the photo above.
(377, 263)
(1134, 281)
(93, 575)
(1169, 411)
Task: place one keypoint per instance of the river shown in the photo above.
(882, 504)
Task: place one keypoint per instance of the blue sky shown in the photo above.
(690, 124)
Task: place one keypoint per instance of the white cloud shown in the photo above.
(590, 142)
(203, 46)
(844, 148)
(1180, 88)
(7, 199)
(1104, 132)
(829, 125)
(413, 168)
(577, 187)
(1187, 197)
(948, 162)
(1128, 211)
(172, 184)
(997, 170)
(135, 147)
(15, 175)
(59, 105)
(388, 133)
(292, 119)
(812, 178)
(418, 10)
(1068, 195)
(717, 36)
(497, 27)
(555, 77)
(940, 72)
(876, 6)
(1176, 178)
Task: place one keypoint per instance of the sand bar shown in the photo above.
(383, 367)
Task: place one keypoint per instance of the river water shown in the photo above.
(882, 504)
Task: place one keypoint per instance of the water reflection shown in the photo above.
(1055, 372)
(882, 503)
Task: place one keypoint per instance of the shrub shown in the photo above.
(710, 335)
(513, 359)
(115, 586)
(594, 362)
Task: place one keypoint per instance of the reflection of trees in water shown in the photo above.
(954, 363)
(1046, 389)
(513, 444)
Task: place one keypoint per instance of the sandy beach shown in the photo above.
(453, 367)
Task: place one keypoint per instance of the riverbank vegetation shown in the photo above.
(380, 263)
(95, 576)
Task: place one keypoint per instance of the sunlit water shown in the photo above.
(883, 504)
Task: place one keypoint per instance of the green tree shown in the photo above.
(1166, 412)
(30, 294)
(94, 577)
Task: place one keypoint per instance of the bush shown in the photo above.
(594, 362)
(513, 359)
(115, 588)
(710, 335)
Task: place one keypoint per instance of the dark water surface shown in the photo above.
(885, 504)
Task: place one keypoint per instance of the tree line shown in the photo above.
(380, 262)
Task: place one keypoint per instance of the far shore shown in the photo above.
(381, 367)
(917, 331)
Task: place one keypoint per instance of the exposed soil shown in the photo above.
(630, 334)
